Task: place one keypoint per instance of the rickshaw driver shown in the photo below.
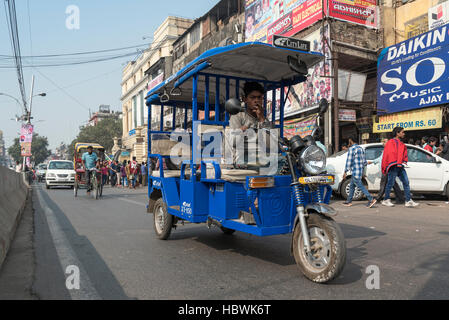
(252, 118)
(89, 159)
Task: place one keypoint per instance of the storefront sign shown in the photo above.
(265, 18)
(291, 43)
(302, 127)
(347, 115)
(423, 119)
(438, 15)
(153, 83)
(413, 74)
(363, 12)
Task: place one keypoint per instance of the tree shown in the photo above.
(103, 133)
(39, 149)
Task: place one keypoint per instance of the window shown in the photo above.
(416, 155)
(372, 153)
(195, 34)
(60, 166)
(180, 50)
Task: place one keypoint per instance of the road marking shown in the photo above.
(67, 255)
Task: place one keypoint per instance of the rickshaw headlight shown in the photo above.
(313, 160)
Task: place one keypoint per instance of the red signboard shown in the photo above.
(364, 12)
(301, 17)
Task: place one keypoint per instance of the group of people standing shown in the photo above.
(128, 174)
(393, 160)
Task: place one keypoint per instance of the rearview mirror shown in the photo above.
(234, 106)
(324, 106)
(297, 65)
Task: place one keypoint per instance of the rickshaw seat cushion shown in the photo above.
(167, 173)
(80, 171)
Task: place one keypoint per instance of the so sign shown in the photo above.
(413, 74)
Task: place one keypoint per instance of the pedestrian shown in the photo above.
(18, 167)
(431, 146)
(356, 163)
(424, 141)
(393, 161)
(144, 172)
(124, 174)
(130, 175)
(344, 147)
(383, 181)
(104, 173)
(113, 173)
(138, 175)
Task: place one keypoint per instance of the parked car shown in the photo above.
(427, 172)
(60, 173)
(41, 170)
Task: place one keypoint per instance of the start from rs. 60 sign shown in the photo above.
(423, 119)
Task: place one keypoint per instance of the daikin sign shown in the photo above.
(414, 74)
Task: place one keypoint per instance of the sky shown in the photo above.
(73, 90)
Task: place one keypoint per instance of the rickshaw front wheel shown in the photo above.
(328, 256)
(163, 221)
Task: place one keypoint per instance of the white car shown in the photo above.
(60, 173)
(427, 172)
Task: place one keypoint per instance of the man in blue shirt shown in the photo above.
(356, 163)
(90, 159)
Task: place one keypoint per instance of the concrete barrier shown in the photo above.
(14, 191)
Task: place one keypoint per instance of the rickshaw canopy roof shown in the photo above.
(82, 145)
(256, 61)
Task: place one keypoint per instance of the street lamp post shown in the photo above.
(27, 114)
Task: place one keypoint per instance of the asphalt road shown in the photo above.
(112, 243)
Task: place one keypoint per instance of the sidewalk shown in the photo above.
(17, 272)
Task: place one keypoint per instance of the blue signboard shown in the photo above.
(414, 74)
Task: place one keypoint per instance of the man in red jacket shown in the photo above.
(393, 161)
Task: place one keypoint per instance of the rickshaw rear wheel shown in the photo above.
(163, 221)
(328, 256)
(227, 231)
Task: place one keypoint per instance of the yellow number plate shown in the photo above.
(317, 180)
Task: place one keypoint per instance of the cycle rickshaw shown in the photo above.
(201, 189)
(81, 175)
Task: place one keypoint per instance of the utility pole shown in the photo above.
(336, 102)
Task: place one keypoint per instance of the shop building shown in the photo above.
(151, 68)
(412, 83)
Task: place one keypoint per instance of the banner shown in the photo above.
(26, 133)
(25, 149)
(302, 127)
(308, 94)
(424, 119)
(265, 18)
(347, 115)
(438, 15)
(413, 74)
(363, 12)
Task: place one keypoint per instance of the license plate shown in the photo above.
(317, 180)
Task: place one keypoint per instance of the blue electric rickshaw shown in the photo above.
(200, 189)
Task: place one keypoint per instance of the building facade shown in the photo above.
(151, 68)
(104, 112)
(412, 73)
